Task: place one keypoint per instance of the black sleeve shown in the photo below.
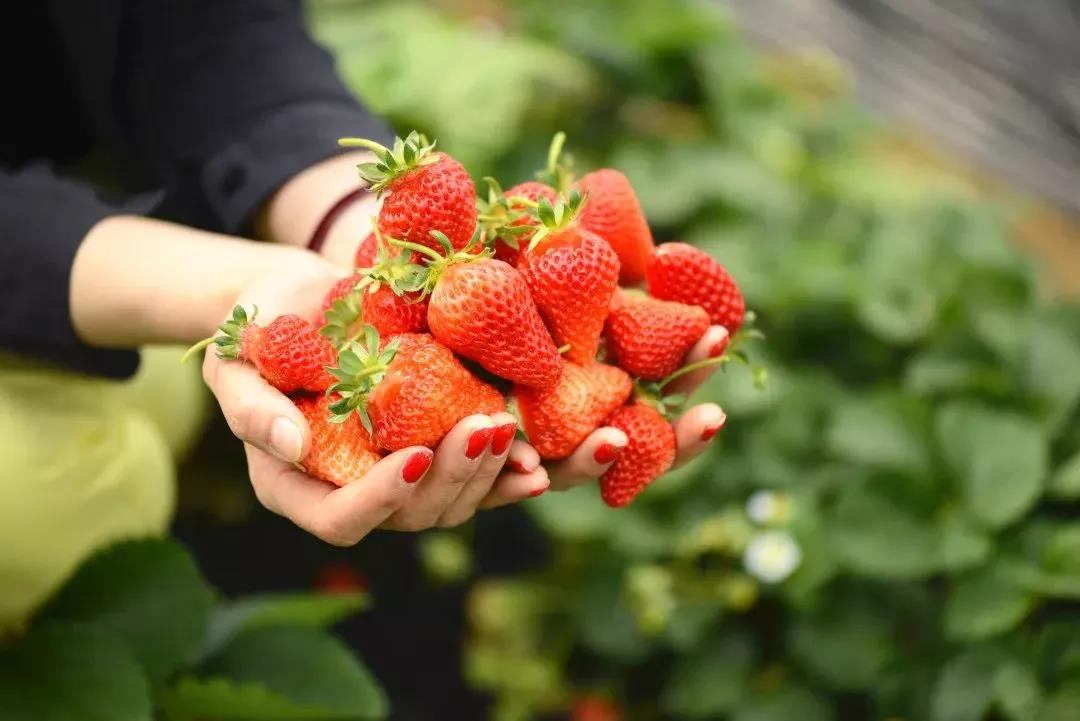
(42, 221)
(218, 102)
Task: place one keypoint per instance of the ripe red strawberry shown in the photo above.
(572, 274)
(481, 309)
(367, 253)
(686, 274)
(557, 420)
(614, 213)
(390, 313)
(340, 452)
(649, 454)
(411, 388)
(338, 291)
(427, 190)
(649, 338)
(289, 353)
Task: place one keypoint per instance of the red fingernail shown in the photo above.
(606, 453)
(719, 347)
(538, 492)
(708, 433)
(517, 467)
(478, 441)
(416, 466)
(501, 439)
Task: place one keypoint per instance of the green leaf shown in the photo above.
(1000, 460)
(710, 681)
(965, 689)
(984, 603)
(606, 622)
(1017, 691)
(287, 609)
(279, 674)
(963, 545)
(61, 672)
(1065, 482)
(874, 534)
(880, 430)
(1062, 706)
(787, 704)
(148, 594)
(1051, 372)
(847, 644)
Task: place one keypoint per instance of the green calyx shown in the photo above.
(557, 217)
(652, 392)
(360, 368)
(230, 337)
(412, 152)
(341, 316)
(422, 277)
(559, 172)
(497, 215)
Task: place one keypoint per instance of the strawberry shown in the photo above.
(572, 274)
(595, 708)
(338, 291)
(614, 213)
(530, 190)
(289, 353)
(649, 338)
(686, 274)
(390, 313)
(340, 452)
(557, 420)
(506, 218)
(367, 253)
(425, 191)
(647, 456)
(410, 390)
(481, 309)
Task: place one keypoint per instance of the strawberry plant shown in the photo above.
(136, 634)
(888, 530)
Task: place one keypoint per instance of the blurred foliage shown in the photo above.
(918, 449)
(136, 634)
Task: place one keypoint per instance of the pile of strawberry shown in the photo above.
(458, 304)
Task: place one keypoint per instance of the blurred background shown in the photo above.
(890, 531)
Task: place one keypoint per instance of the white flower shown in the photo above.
(769, 508)
(772, 556)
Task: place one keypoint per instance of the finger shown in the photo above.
(457, 459)
(464, 506)
(695, 429)
(711, 344)
(522, 458)
(257, 413)
(589, 460)
(340, 516)
(511, 487)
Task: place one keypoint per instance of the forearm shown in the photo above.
(137, 281)
(294, 212)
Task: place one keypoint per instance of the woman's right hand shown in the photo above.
(465, 472)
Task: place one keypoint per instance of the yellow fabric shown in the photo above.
(84, 462)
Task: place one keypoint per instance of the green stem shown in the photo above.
(196, 348)
(555, 150)
(362, 143)
(417, 247)
(693, 367)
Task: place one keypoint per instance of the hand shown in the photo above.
(693, 429)
(465, 471)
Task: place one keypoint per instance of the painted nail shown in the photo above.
(517, 467)
(719, 347)
(500, 440)
(285, 440)
(538, 492)
(416, 466)
(606, 453)
(478, 441)
(710, 431)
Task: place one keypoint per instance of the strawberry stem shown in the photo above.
(363, 143)
(423, 249)
(690, 368)
(196, 348)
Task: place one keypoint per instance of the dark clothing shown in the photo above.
(205, 106)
